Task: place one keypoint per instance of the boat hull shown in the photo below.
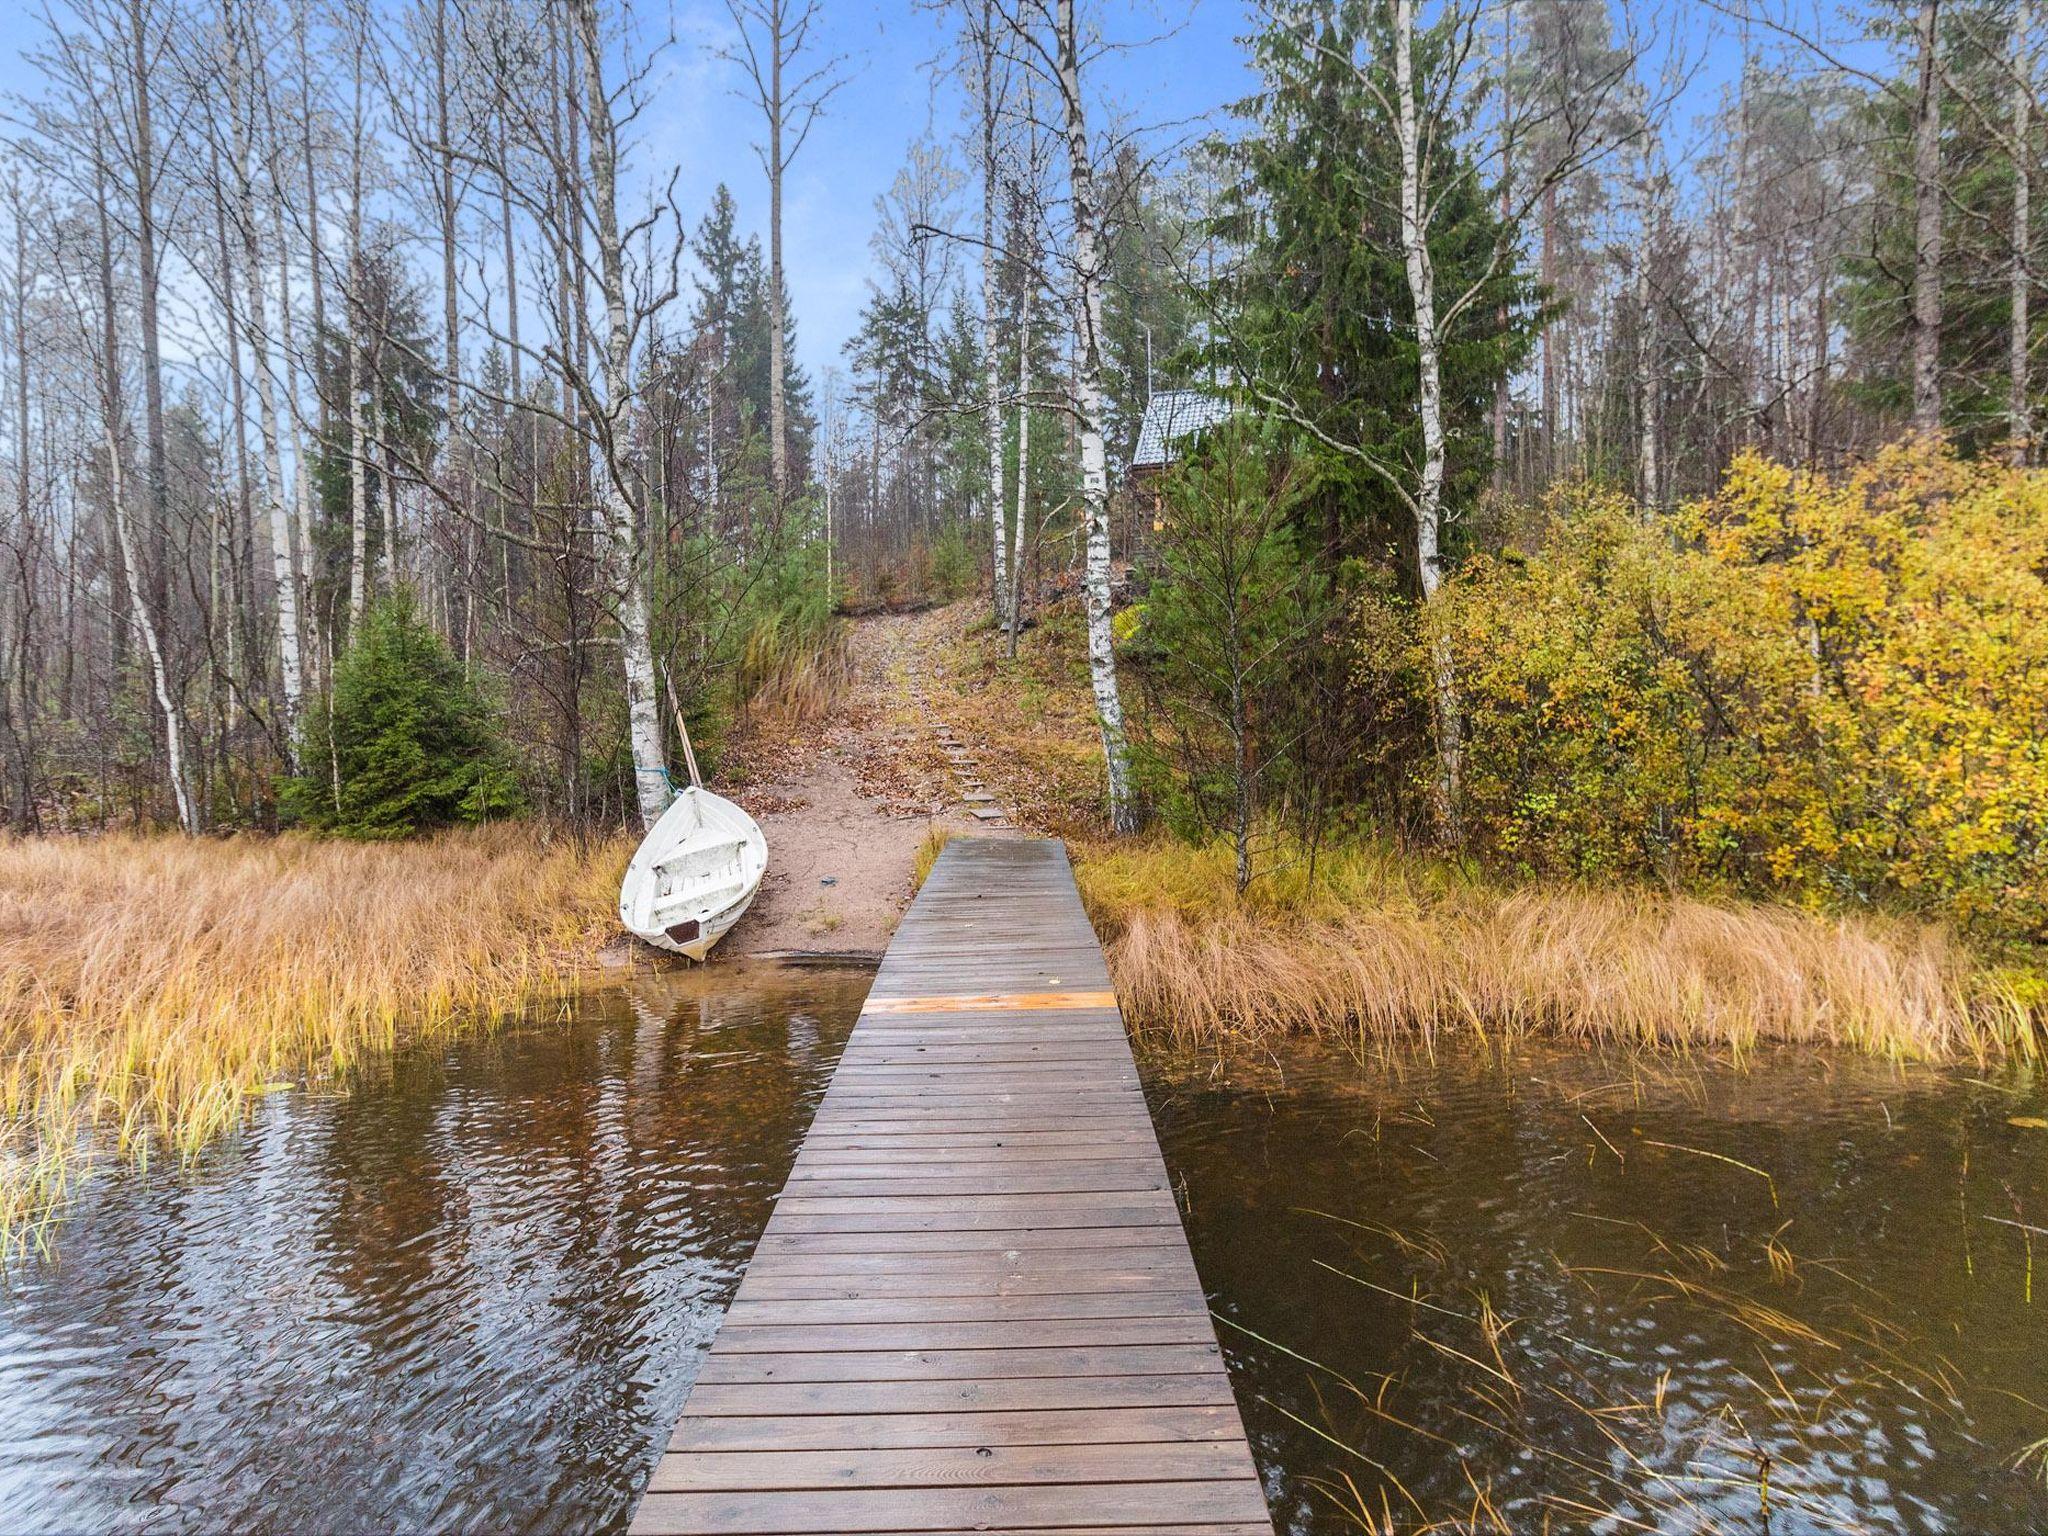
(694, 875)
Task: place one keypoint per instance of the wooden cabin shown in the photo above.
(1173, 417)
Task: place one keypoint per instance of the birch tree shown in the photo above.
(2019, 342)
(1420, 102)
(1061, 54)
(1927, 212)
(114, 431)
(989, 100)
(791, 94)
(612, 421)
(243, 55)
(1429, 488)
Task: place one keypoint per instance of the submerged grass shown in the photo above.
(1379, 944)
(151, 987)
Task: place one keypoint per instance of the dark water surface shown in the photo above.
(1525, 1315)
(1458, 1291)
(471, 1295)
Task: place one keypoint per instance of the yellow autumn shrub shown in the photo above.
(1834, 687)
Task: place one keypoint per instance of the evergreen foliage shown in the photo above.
(1233, 606)
(407, 742)
(1316, 308)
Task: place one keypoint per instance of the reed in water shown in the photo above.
(1378, 944)
(151, 986)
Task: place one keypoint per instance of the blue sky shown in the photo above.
(1189, 67)
(1183, 63)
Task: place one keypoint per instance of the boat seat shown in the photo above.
(703, 854)
(715, 899)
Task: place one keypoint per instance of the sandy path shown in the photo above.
(847, 803)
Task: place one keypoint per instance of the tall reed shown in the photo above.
(151, 986)
(1378, 945)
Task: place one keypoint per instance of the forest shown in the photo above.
(1357, 689)
(1619, 461)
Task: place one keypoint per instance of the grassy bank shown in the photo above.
(1384, 944)
(151, 986)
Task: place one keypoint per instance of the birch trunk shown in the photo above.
(1507, 176)
(124, 538)
(387, 482)
(25, 804)
(992, 367)
(1927, 228)
(148, 280)
(1649, 383)
(1088, 399)
(778, 362)
(2019, 404)
(302, 477)
(1429, 493)
(614, 432)
(354, 310)
(358, 471)
(316, 257)
(1016, 615)
(451, 314)
(275, 493)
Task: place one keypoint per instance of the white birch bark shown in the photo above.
(1088, 402)
(2019, 406)
(291, 666)
(1649, 384)
(1927, 318)
(778, 363)
(358, 427)
(992, 364)
(623, 558)
(1429, 493)
(359, 483)
(1016, 615)
(302, 477)
(124, 537)
(152, 642)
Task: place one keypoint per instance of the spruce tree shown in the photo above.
(1315, 310)
(405, 743)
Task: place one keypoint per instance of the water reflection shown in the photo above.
(1559, 1292)
(471, 1294)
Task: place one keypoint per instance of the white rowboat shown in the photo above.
(694, 874)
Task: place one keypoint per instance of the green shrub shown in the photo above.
(405, 743)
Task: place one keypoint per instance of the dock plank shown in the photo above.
(973, 1308)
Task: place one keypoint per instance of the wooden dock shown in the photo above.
(974, 1308)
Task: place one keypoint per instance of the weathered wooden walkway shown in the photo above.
(974, 1307)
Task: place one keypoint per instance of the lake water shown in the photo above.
(1543, 1290)
(1535, 1293)
(472, 1294)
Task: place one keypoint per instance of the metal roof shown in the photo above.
(1170, 415)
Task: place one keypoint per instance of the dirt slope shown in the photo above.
(847, 802)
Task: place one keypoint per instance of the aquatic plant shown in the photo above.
(152, 987)
(1365, 942)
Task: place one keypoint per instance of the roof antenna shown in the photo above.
(1148, 365)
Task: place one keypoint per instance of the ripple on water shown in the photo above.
(472, 1293)
(1649, 1352)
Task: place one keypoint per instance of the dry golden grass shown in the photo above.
(1031, 720)
(1382, 945)
(151, 986)
(928, 851)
